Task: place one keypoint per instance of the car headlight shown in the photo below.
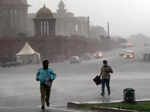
(131, 56)
(100, 54)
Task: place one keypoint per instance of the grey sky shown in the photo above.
(126, 16)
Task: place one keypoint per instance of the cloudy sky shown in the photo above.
(126, 17)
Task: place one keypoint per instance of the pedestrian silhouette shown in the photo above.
(105, 76)
(46, 76)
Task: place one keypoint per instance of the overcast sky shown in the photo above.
(126, 17)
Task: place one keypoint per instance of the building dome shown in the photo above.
(61, 5)
(13, 2)
(44, 12)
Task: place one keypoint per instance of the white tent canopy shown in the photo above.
(26, 50)
(27, 55)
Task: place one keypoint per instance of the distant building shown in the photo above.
(44, 23)
(97, 32)
(15, 21)
(30, 23)
(13, 17)
(67, 24)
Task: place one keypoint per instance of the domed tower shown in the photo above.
(61, 5)
(44, 23)
(13, 17)
(61, 9)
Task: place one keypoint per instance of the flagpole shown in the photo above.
(108, 29)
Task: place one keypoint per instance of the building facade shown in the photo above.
(13, 17)
(67, 24)
(15, 20)
(97, 32)
(44, 23)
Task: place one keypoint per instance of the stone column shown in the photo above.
(47, 28)
(38, 27)
(42, 28)
(50, 27)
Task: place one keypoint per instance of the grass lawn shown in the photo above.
(139, 106)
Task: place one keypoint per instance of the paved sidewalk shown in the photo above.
(35, 109)
(105, 100)
(99, 102)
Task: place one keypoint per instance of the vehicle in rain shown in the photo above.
(98, 55)
(129, 44)
(75, 59)
(127, 54)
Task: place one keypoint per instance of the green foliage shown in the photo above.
(139, 106)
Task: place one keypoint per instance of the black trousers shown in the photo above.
(45, 94)
(105, 82)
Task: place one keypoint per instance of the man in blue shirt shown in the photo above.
(46, 76)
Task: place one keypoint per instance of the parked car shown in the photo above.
(75, 59)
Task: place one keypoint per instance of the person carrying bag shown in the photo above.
(97, 80)
(106, 70)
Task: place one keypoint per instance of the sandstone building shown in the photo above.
(66, 23)
(13, 17)
(44, 23)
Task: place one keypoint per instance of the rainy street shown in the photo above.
(76, 38)
(74, 83)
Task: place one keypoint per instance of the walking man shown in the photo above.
(46, 76)
(105, 76)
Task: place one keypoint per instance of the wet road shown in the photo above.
(18, 87)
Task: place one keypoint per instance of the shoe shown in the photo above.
(102, 94)
(47, 103)
(42, 107)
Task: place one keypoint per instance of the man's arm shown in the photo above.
(37, 76)
(111, 70)
(52, 74)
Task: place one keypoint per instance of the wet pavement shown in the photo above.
(33, 109)
(19, 92)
